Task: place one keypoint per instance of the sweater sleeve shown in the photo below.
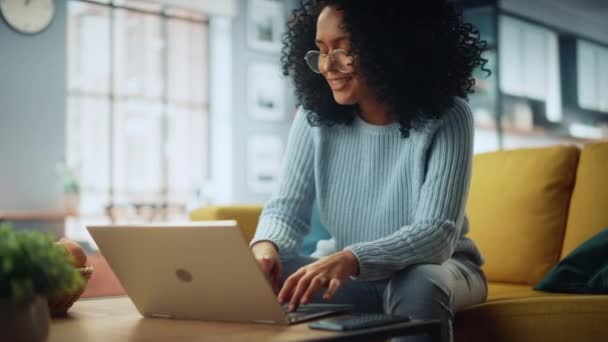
(432, 236)
(285, 219)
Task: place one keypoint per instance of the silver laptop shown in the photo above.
(200, 270)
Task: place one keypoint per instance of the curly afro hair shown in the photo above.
(416, 55)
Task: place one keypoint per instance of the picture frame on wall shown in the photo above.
(264, 155)
(265, 25)
(265, 92)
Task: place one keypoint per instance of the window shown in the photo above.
(592, 70)
(137, 108)
(529, 63)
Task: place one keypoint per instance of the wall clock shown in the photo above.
(28, 16)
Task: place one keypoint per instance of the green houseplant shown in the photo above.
(32, 267)
(71, 186)
(68, 178)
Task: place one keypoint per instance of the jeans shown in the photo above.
(423, 291)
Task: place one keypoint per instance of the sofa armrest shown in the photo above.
(246, 215)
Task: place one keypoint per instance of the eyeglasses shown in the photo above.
(343, 60)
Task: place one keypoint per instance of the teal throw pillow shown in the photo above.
(317, 232)
(584, 270)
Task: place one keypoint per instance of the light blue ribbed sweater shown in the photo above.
(391, 201)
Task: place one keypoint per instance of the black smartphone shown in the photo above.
(358, 321)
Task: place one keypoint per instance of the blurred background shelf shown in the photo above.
(50, 221)
(549, 77)
(22, 215)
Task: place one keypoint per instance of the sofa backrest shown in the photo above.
(588, 213)
(517, 206)
(245, 214)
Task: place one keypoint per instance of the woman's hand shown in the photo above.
(331, 272)
(267, 256)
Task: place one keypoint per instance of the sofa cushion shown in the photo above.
(103, 281)
(588, 213)
(518, 203)
(545, 318)
(246, 216)
(505, 291)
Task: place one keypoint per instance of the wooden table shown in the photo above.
(116, 319)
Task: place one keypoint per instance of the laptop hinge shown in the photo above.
(158, 315)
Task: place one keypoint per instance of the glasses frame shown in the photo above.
(331, 57)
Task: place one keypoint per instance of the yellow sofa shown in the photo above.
(528, 209)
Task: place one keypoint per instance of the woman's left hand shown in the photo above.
(331, 272)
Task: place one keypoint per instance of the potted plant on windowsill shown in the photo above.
(71, 188)
(32, 268)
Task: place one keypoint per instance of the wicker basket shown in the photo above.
(59, 305)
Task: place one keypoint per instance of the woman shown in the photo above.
(383, 143)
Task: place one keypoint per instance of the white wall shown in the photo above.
(231, 123)
(220, 189)
(32, 115)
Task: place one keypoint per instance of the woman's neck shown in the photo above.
(376, 113)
